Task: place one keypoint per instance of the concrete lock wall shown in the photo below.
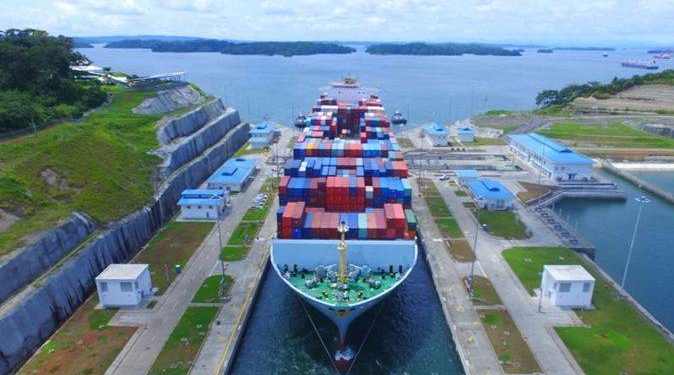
(24, 265)
(36, 314)
(190, 122)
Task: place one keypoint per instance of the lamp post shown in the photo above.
(222, 261)
(472, 264)
(642, 200)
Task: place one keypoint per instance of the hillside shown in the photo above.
(100, 166)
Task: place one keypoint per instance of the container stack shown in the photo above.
(347, 167)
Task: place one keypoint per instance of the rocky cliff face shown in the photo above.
(31, 316)
(24, 265)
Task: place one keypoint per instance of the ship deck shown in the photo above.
(326, 290)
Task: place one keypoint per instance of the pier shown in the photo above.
(543, 207)
(669, 197)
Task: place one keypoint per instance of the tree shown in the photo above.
(547, 98)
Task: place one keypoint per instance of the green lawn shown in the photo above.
(209, 292)
(183, 344)
(502, 223)
(100, 166)
(449, 227)
(499, 113)
(246, 150)
(234, 253)
(405, 142)
(480, 141)
(173, 244)
(85, 344)
(606, 135)
(617, 338)
(507, 341)
(437, 206)
(484, 293)
(244, 233)
(460, 193)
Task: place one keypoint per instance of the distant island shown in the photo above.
(545, 50)
(444, 49)
(606, 49)
(232, 48)
(662, 50)
(79, 44)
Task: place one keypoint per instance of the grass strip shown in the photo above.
(503, 224)
(616, 338)
(173, 244)
(85, 344)
(183, 344)
(506, 339)
(209, 291)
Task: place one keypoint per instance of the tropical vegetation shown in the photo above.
(36, 83)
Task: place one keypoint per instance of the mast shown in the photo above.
(343, 278)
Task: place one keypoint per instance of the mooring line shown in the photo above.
(325, 347)
(367, 335)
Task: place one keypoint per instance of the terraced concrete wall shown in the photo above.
(33, 315)
(190, 122)
(24, 265)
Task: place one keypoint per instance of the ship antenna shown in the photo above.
(343, 228)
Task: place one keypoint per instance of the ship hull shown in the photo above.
(376, 254)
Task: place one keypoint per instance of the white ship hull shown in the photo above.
(309, 254)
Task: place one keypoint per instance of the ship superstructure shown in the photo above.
(346, 231)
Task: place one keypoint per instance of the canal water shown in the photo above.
(609, 226)
(408, 336)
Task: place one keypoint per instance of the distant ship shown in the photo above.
(665, 55)
(346, 235)
(398, 119)
(301, 121)
(650, 65)
(605, 54)
(545, 50)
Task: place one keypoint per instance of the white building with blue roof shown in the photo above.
(490, 194)
(202, 204)
(465, 134)
(233, 175)
(261, 135)
(551, 158)
(436, 135)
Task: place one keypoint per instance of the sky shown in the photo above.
(558, 22)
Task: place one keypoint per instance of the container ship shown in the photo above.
(650, 65)
(346, 236)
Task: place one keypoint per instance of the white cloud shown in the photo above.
(579, 22)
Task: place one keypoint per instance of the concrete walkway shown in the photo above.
(536, 328)
(471, 341)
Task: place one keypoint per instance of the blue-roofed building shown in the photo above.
(436, 135)
(261, 135)
(465, 134)
(202, 204)
(490, 194)
(233, 175)
(464, 176)
(552, 159)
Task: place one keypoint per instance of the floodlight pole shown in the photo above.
(222, 261)
(642, 200)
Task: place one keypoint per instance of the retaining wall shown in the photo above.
(35, 314)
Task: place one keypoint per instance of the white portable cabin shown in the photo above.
(567, 285)
(121, 285)
(202, 204)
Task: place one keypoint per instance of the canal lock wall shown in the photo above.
(31, 316)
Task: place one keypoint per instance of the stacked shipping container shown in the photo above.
(346, 167)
